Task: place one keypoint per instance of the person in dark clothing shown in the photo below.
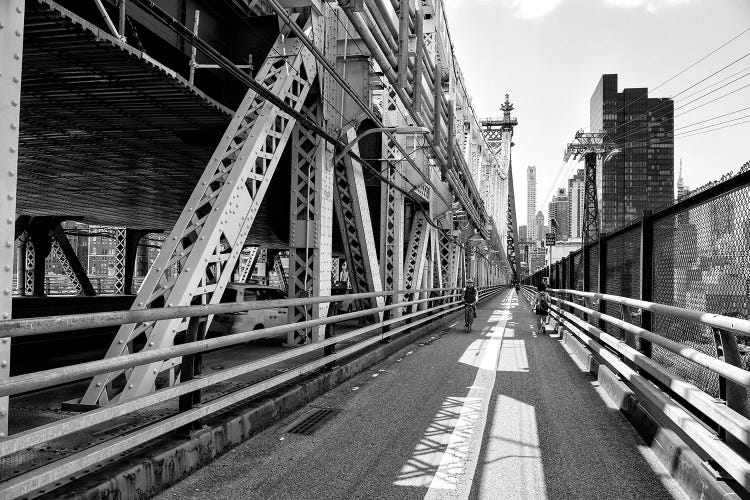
(541, 307)
(470, 296)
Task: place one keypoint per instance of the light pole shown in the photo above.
(386, 130)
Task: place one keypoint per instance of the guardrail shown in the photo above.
(716, 429)
(439, 302)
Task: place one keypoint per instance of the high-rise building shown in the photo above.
(559, 211)
(539, 226)
(641, 176)
(682, 188)
(531, 202)
(523, 233)
(576, 185)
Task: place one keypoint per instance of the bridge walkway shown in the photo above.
(496, 413)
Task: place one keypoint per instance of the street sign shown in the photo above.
(550, 239)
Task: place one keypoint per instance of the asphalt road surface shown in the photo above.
(498, 413)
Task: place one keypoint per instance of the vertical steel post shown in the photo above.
(647, 275)
(11, 53)
(391, 204)
(602, 277)
(571, 278)
(191, 367)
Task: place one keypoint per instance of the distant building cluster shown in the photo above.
(639, 177)
(96, 248)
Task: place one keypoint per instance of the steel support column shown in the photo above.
(391, 205)
(211, 231)
(11, 52)
(310, 224)
(416, 252)
(353, 213)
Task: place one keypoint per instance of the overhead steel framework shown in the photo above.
(114, 131)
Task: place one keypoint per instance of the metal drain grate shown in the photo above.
(311, 421)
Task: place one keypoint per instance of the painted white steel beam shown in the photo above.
(11, 52)
(208, 237)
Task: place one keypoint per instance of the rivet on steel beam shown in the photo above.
(8, 244)
(10, 197)
(120, 342)
(7, 267)
(4, 362)
(12, 149)
(5, 341)
(2, 412)
(14, 102)
(6, 291)
(130, 386)
(18, 9)
(151, 343)
(98, 384)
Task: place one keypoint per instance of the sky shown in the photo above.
(550, 54)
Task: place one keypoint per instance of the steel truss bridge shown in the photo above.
(222, 127)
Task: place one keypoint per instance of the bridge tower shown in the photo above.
(498, 133)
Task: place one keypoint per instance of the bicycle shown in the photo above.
(468, 316)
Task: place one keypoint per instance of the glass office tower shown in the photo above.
(641, 176)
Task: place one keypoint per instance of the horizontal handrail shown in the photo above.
(38, 380)
(55, 471)
(735, 423)
(718, 366)
(38, 435)
(735, 325)
(664, 408)
(63, 323)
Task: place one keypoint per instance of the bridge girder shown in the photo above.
(207, 239)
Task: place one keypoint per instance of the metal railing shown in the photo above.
(433, 304)
(693, 254)
(715, 428)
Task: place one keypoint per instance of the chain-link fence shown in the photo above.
(698, 252)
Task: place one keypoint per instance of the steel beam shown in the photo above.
(209, 235)
(310, 224)
(416, 252)
(11, 52)
(120, 259)
(247, 269)
(391, 204)
(353, 214)
(68, 258)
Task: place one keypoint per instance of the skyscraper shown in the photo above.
(539, 226)
(559, 210)
(531, 202)
(576, 186)
(641, 176)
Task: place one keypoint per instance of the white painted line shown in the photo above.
(459, 460)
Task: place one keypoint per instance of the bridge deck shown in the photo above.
(498, 413)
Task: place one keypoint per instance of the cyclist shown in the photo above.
(470, 297)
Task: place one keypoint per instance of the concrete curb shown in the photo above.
(693, 474)
(168, 460)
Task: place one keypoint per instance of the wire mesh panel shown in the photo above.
(702, 262)
(593, 280)
(623, 273)
(578, 269)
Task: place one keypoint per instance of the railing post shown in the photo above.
(571, 285)
(647, 275)
(602, 278)
(733, 393)
(190, 368)
(330, 332)
(386, 317)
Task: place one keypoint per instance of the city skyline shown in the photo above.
(671, 37)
